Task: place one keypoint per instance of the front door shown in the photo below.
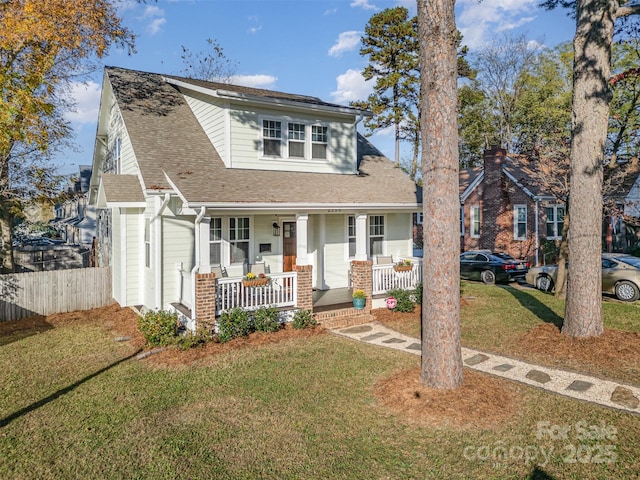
(289, 246)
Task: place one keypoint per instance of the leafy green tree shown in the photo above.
(592, 43)
(391, 46)
(43, 46)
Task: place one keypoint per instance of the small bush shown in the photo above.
(159, 327)
(199, 338)
(234, 323)
(418, 294)
(403, 300)
(303, 319)
(265, 319)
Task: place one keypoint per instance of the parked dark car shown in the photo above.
(620, 276)
(491, 267)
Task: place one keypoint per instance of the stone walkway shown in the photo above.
(570, 384)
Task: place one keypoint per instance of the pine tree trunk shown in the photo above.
(441, 353)
(591, 96)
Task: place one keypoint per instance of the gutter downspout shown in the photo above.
(196, 266)
(158, 252)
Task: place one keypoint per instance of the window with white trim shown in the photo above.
(147, 242)
(419, 218)
(296, 140)
(475, 221)
(520, 222)
(271, 138)
(239, 235)
(319, 142)
(351, 235)
(555, 221)
(376, 234)
(117, 155)
(215, 241)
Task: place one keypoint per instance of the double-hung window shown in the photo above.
(351, 235)
(239, 235)
(555, 221)
(215, 241)
(475, 221)
(117, 155)
(272, 138)
(296, 140)
(319, 142)
(520, 222)
(376, 234)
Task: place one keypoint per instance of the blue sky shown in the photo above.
(298, 46)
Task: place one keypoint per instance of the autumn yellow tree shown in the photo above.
(44, 44)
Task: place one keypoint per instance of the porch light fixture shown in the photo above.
(276, 229)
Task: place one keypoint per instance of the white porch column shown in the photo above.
(320, 259)
(361, 236)
(302, 239)
(203, 232)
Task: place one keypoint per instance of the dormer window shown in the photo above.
(296, 140)
(302, 141)
(319, 142)
(272, 137)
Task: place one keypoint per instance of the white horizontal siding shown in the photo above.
(211, 115)
(134, 253)
(178, 246)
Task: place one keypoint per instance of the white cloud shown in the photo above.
(331, 11)
(479, 20)
(351, 86)
(364, 4)
(255, 28)
(155, 16)
(86, 98)
(258, 81)
(346, 42)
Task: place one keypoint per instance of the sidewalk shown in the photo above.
(570, 384)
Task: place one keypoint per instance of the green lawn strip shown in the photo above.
(303, 408)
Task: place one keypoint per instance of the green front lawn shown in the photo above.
(76, 404)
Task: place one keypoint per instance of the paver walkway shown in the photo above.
(576, 385)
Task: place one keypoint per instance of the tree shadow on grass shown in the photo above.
(54, 396)
(539, 474)
(535, 306)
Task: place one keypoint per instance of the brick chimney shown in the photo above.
(493, 201)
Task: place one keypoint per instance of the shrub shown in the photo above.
(403, 300)
(303, 319)
(199, 338)
(159, 327)
(265, 319)
(234, 323)
(418, 294)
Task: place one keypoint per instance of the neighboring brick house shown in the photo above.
(502, 209)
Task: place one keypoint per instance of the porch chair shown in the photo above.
(384, 260)
(257, 268)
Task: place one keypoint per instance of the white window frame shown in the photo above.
(517, 222)
(376, 235)
(305, 136)
(117, 155)
(296, 136)
(215, 225)
(233, 241)
(277, 125)
(351, 235)
(474, 221)
(324, 142)
(554, 221)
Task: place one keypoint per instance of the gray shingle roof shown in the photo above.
(122, 188)
(169, 143)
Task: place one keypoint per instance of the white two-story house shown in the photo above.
(191, 177)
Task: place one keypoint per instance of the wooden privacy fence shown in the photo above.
(57, 291)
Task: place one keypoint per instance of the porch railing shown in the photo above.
(385, 278)
(280, 292)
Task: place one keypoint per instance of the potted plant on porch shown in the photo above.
(359, 299)
(403, 266)
(253, 280)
